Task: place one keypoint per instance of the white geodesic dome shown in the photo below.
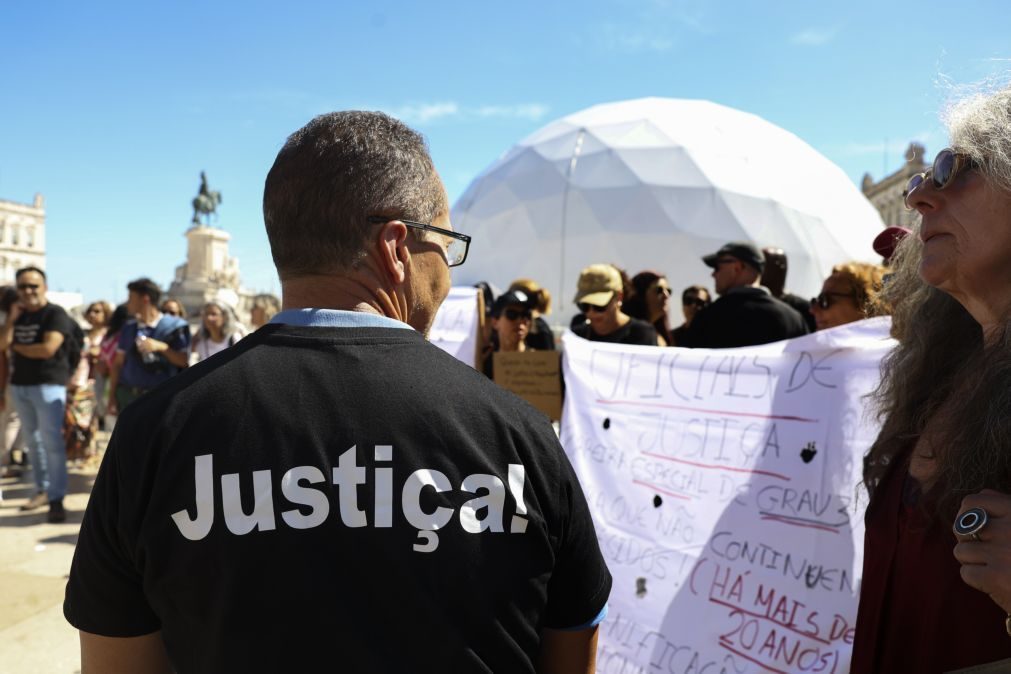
(656, 183)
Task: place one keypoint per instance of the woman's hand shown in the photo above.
(986, 563)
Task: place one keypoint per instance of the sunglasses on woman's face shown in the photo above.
(663, 291)
(696, 302)
(947, 165)
(516, 314)
(586, 308)
(824, 300)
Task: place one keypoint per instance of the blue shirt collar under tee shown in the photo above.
(335, 318)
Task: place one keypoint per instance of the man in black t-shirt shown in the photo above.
(38, 333)
(746, 314)
(599, 296)
(334, 492)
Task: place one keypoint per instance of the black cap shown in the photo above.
(512, 298)
(742, 250)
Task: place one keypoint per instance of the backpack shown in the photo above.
(75, 345)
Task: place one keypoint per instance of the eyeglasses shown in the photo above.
(947, 165)
(662, 290)
(515, 314)
(696, 302)
(456, 248)
(586, 307)
(28, 286)
(824, 300)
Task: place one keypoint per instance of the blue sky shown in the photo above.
(111, 110)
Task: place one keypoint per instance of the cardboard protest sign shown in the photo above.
(534, 376)
(725, 489)
(456, 325)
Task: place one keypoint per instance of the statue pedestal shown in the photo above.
(209, 273)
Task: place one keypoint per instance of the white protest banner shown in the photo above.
(456, 325)
(725, 489)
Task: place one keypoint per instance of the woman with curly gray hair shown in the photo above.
(937, 597)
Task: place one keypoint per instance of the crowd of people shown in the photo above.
(171, 570)
(751, 308)
(63, 383)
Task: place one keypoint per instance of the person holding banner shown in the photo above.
(936, 588)
(849, 294)
(511, 316)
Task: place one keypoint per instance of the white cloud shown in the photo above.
(814, 37)
(422, 113)
(425, 112)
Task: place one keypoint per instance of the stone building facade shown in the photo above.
(22, 236)
(887, 194)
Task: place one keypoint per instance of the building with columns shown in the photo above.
(887, 194)
(22, 236)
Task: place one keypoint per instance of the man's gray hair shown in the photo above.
(980, 126)
(331, 176)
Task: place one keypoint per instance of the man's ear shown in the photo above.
(393, 253)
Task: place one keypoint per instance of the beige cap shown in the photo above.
(597, 284)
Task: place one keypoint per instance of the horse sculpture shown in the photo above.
(206, 202)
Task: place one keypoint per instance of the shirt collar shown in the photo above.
(336, 318)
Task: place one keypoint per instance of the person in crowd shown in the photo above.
(13, 458)
(341, 387)
(98, 314)
(627, 290)
(39, 334)
(936, 597)
(263, 309)
(216, 333)
(774, 279)
(650, 302)
(693, 300)
(173, 307)
(599, 298)
(746, 313)
(540, 337)
(81, 418)
(884, 243)
(850, 293)
(511, 317)
(107, 356)
(152, 348)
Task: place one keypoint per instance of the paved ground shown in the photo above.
(34, 562)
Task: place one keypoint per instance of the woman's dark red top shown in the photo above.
(916, 614)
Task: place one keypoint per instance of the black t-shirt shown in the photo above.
(30, 328)
(634, 332)
(744, 317)
(333, 450)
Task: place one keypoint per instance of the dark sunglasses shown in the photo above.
(696, 302)
(28, 286)
(662, 290)
(824, 300)
(947, 165)
(586, 308)
(516, 314)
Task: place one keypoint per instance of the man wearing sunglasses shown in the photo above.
(38, 333)
(745, 314)
(599, 296)
(334, 491)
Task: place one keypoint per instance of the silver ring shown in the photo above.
(970, 523)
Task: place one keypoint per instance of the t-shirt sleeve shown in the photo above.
(180, 339)
(57, 321)
(105, 591)
(127, 336)
(580, 582)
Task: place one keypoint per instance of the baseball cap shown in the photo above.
(885, 242)
(742, 250)
(597, 284)
(511, 298)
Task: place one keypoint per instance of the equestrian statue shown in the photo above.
(206, 202)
